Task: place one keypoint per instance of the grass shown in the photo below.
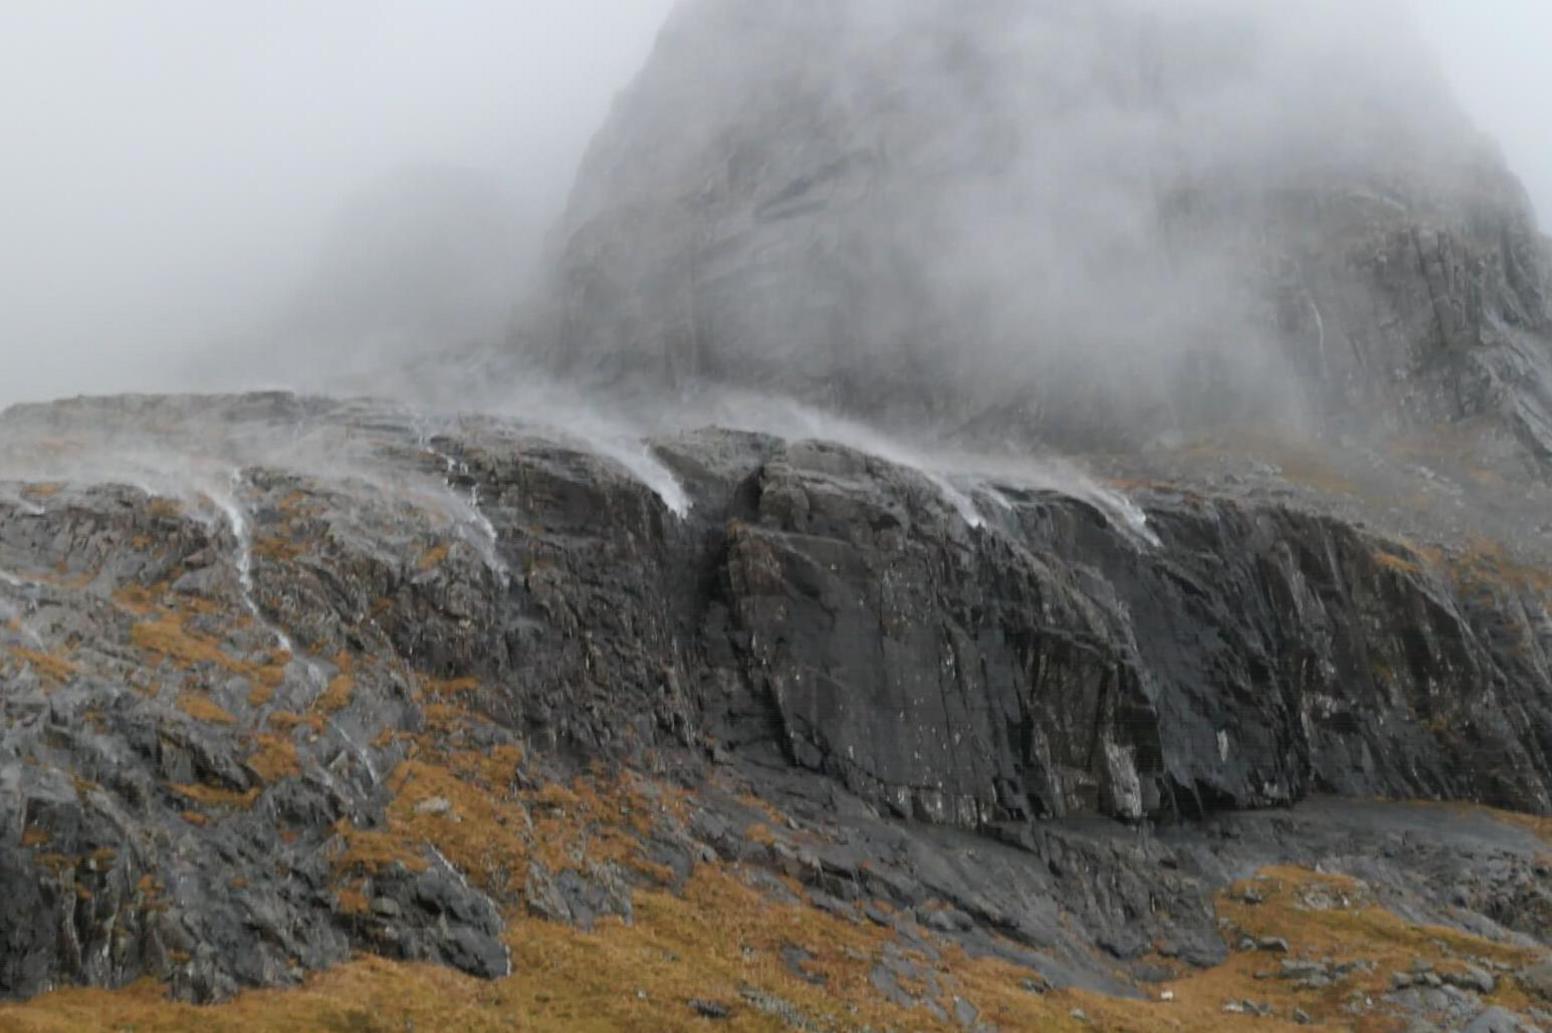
(1479, 565)
(216, 797)
(713, 938)
(49, 666)
(720, 937)
(202, 708)
(275, 759)
(433, 558)
(166, 635)
(336, 696)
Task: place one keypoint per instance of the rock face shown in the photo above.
(1039, 221)
(215, 682)
(1051, 662)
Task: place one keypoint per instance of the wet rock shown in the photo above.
(1537, 980)
(1301, 968)
(1473, 978)
(918, 690)
(708, 1009)
(1497, 1020)
(796, 960)
(578, 898)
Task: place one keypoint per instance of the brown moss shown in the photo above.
(166, 635)
(432, 558)
(295, 504)
(337, 696)
(287, 722)
(369, 851)
(203, 708)
(1394, 561)
(1486, 565)
(138, 599)
(49, 666)
(215, 796)
(718, 935)
(438, 688)
(275, 759)
(721, 936)
(351, 901)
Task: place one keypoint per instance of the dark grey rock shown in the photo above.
(1473, 978)
(1537, 980)
(575, 898)
(953, 716)
(710, 1009)
(1497, 1020)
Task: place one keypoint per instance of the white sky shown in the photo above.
(1499, 55)
(168, 165)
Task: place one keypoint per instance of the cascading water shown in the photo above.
(467, 510)
(226, 500)
(575, 418)
(317, 678)
(633, 455)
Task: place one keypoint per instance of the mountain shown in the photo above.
(1086, 224)
(1000, 517)
(291, 680)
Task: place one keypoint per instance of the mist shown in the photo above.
(184, 180)
(204, 196)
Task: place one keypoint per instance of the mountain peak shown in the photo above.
(1086, 224)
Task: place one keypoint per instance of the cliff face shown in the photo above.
(243, 699)
(1036, 221)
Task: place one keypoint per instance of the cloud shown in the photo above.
(174, 168)
(177, 172)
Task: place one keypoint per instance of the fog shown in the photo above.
(1091, 225)
(179, 175)
(204, 195)
(1494, 52)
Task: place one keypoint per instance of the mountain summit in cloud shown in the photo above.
(736, 649)
(1083, 223)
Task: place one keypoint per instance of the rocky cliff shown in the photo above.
(290, 679)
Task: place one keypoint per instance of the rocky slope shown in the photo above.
(337, 677)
